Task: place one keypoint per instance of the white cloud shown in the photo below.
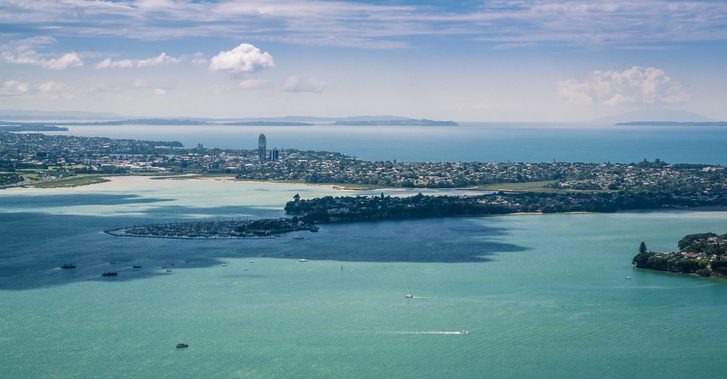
(253, 84)
(50, 87)
(243, 58)
(632, 86)
(14, 88)
(199, 59)
(298, 84)
(63, 62)
(24, 52)
(137, 63)
(159, 88)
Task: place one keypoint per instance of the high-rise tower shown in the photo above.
(261, 148)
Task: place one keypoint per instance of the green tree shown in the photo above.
(642, 247)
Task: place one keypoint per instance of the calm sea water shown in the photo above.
(542, 296)
(469, 142)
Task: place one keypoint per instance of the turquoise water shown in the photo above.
(542, 295)
(469, 142)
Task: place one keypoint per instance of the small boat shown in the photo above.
(302, 260)
(109, 273)
(136, 266)
(297, 237)
(68, 265)
(182, 346)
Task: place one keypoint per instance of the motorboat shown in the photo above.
(182, 346)
(68, 265)
(109, 273)
(297, 237)
(136, 266)
(302, 260)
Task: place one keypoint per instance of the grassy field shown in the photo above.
(72, 181)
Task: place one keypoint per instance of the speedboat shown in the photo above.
(463, 332)
(408, 296)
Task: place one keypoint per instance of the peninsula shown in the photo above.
(330, 210)
(703, 254)
(216, 229)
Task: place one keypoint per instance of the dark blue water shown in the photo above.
(470, 142)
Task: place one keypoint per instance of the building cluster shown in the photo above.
(25, 155)
(263, 154)
(704, 254)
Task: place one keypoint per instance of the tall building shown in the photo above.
(274, 154)
(261, 148)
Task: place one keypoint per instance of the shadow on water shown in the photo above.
(64, 200)
(36, 244)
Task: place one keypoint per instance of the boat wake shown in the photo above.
(434, 332)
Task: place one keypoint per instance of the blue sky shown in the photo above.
(469, 61)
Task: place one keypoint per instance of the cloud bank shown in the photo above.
(24, 52)
(632, 86)
(382, 25)
(137, 63)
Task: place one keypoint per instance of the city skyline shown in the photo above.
(473, 61)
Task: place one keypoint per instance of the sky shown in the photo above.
(549, 61)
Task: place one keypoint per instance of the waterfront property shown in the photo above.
(704, 254)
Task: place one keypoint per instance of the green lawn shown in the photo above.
(72, 181)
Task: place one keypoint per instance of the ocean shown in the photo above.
(541, 295)
(467, 142)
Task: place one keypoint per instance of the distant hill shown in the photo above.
(671, 123)
(396, 122)
(101, 118)
(21, 115)
(653, 115)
